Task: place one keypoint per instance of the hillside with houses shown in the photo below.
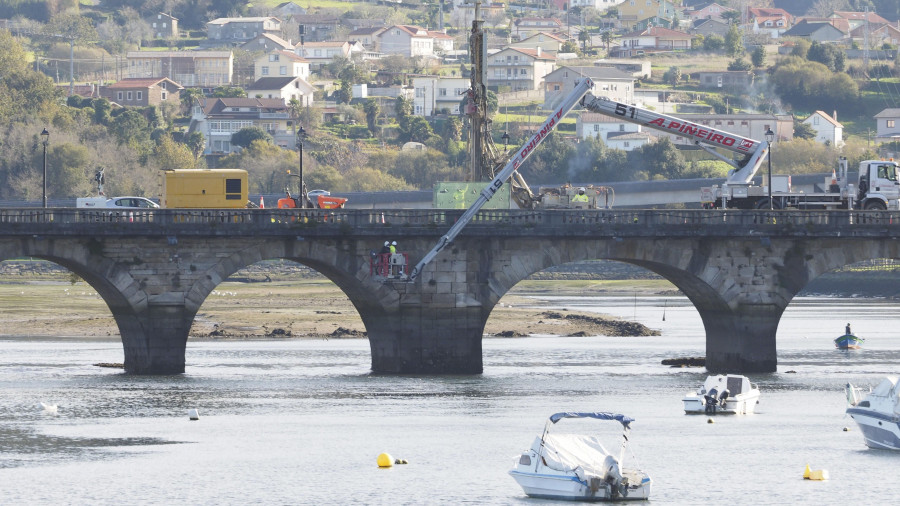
(377, 91)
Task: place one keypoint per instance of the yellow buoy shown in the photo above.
(385, 460)
(818, 474)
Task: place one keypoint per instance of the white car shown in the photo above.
(131, 203)
(315, 193)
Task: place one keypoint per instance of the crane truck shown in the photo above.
(500, 178)
(877, 186)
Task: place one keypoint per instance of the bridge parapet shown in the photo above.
(417, 222)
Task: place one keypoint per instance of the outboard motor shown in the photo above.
(712, 401)
(723, 397)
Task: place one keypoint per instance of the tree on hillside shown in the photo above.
(812, 85)
(584, 36)
(801, 47)
(758, 58)
(734, 45)
(739, 64)
(607, 38)
(415, 129)
(713, 42)
(228, 92)
(672, 76)
(171, 155)
(549, 163)
(804, 131)
(828, 55)
(371, 108)
(67, 171)
(662, 159)
(130, 127)
(247, 135)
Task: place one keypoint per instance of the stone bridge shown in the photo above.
(154, 269)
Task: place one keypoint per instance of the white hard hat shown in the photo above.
(387, 243)
(394, 243)
(581, 189)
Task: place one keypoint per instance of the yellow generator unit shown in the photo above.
(203, 189)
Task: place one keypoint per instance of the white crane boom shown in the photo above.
(703, 136)
(490, 190)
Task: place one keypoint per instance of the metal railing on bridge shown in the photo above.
(16, 220)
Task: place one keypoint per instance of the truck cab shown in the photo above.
(878, 186)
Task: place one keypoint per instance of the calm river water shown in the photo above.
(302, 422)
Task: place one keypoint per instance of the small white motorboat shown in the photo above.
(877, 414)
(575, 467)
(723, 394)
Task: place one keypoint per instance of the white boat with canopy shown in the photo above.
(577, 467)
(723, 394)
(877, 414)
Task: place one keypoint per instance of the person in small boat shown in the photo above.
(847, 330)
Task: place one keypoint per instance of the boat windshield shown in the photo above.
(624, 420)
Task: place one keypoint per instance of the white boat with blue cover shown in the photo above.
(877, 414)
(576, 467)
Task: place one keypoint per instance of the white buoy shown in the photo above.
(193, 414)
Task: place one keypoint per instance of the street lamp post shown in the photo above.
(45, 140)
(770, 136)
(301, 133)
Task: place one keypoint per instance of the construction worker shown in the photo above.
(581, 196)
(396, 261)
(393, 247)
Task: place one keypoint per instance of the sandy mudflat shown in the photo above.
(310, 308)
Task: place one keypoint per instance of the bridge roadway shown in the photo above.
(154, 269)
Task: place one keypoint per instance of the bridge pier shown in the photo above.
(742, 340)
(425, 339)
(155, 339)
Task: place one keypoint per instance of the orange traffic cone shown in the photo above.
(833, 177)
(262, 203)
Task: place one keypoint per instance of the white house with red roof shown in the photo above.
(527, 26)
(519, 69)
(653, 39)
(443, 43)
(406, 40)
(877, 35)
(857, 19)
(770, 20)
(828, 130)
(319, 54)
(544, 40)
(281, 63)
